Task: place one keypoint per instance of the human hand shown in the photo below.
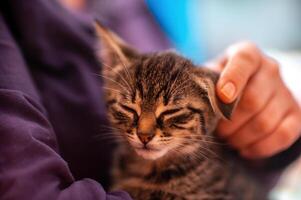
(268, 118)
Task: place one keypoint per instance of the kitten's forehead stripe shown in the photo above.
(153, 84)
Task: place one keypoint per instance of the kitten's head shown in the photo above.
(161, 103)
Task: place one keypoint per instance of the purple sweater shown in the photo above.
(51, 107)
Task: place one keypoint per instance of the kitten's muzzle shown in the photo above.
(145, 137)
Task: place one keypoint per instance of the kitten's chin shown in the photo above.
(150, 154)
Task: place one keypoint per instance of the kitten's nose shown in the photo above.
(146, 127)
(145, 138)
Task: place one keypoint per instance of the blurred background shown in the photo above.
(203, 29)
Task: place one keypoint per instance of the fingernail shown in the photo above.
(228, 90)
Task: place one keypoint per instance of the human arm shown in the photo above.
(31, 165)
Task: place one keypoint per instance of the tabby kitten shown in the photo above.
(165, 110)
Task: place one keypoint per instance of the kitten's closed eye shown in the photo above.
(119, 116)
(174, 118)
(166, 113)
(133, 112)
(180, 121)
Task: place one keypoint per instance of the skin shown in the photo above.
(74, 4)
(267, 119)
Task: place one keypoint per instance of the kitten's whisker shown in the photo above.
(179, 86)
(121, 85)
(128, 73)
(175, 89)
(112, 89)
(177, 77)
(202, 136)
(177, 151)
(118, 91)
(116, 72)
(107, 136)
(217, 143)
(202, 139)
(109, 132)
(202, 147)
(108, 78)
(212, 153)
(108, 126)
(197, 154)
(201, 154)
(206, 150)
(109, 139)
(193, 154)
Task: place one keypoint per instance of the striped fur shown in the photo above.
(164, 110)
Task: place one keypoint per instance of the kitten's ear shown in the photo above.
(207, 79)
(113, 50)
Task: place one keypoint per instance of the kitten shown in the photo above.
(165, 110)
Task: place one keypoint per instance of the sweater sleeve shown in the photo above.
(31, 167)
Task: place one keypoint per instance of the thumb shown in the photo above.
(243, 63)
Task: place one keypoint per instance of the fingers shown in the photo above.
(243, 61)
(285, 135)
(267, 119)
(261, 124)
(259, 91)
